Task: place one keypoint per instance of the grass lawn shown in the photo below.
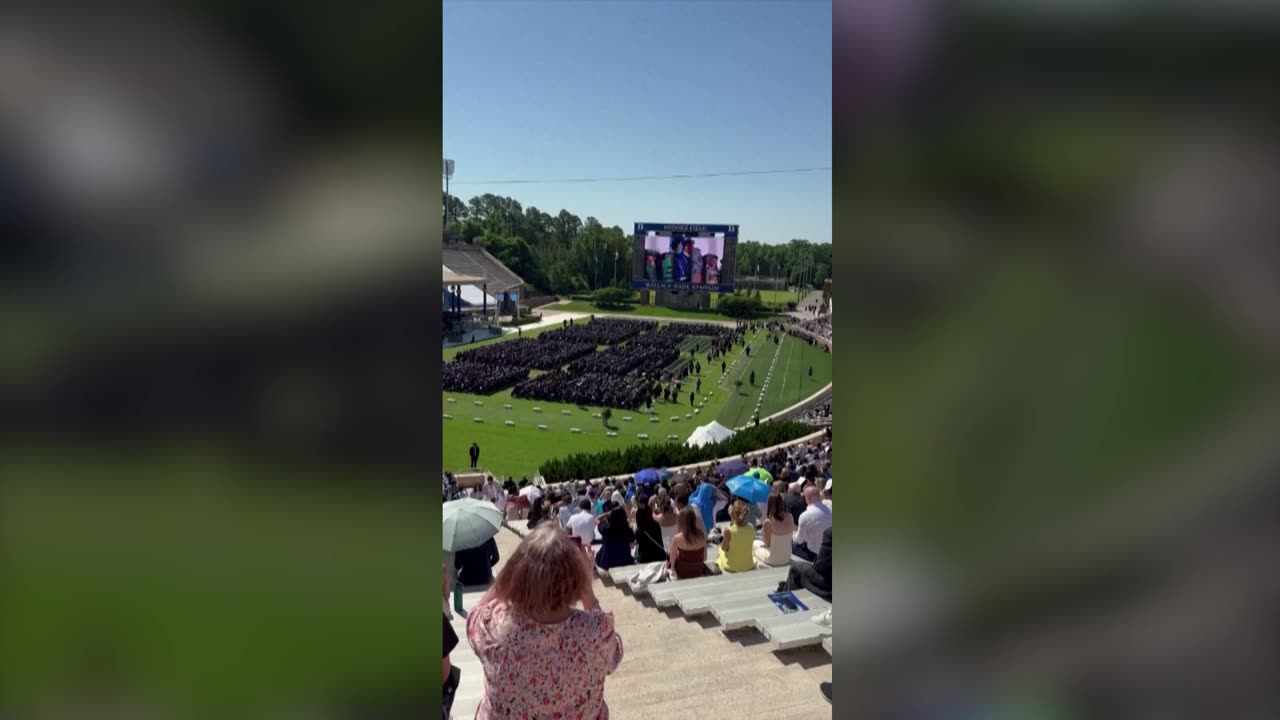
(780, 296)
(519, 450)
(199, 583)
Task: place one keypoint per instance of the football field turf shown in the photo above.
(518, 449)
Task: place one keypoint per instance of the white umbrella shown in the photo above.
(531, 491)
(469, 523)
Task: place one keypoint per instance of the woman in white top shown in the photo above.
(666, 517)
(775, 549)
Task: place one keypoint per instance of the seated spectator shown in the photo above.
(649, 545)
(775, 549)
(735, 548)
(475, 566)
(826, 494)
(525, 631)
(813, 576)
(617, 540)
(680, 496)
(688, 555)
(815, 518)
(666, 517)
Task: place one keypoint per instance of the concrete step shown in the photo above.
(792, 630)
(734, 614)
(664, 593)
(696, 603)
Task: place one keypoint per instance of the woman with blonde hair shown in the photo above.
(779, 526)
(735, 548)
(665, 514)
(526, 629)
(688, 555)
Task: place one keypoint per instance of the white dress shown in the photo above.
(668, 533)
(778, 554)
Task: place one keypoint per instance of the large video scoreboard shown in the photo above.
(684, 257)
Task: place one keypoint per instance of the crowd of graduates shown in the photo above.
(641, 361)
(481, 378)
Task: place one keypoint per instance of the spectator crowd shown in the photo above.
(540, 617)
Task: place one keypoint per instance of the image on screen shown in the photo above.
(687, 260)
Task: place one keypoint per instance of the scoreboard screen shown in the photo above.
(697, 258)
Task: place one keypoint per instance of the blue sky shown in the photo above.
(548, 90)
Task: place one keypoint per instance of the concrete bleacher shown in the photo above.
(739, 601)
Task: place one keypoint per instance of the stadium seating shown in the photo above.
(739, 601)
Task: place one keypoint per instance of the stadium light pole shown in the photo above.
(448, 173)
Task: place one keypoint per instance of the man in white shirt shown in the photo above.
(582, 524)
(491, 491)
(814, 521)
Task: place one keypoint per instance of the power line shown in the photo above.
(683, 176)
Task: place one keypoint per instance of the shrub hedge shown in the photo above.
(582, 466)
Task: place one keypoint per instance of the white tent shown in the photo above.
(712, 432)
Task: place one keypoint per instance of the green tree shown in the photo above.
(613, 297)
(740, 306)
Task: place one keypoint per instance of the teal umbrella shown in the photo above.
(469, 523)
(749, 488)
(760, 473)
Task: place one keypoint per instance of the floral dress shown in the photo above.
(536, 671)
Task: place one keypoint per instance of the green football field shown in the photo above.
(782, 379)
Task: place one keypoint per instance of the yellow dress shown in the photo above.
(739, 557)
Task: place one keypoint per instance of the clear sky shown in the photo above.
(552, 90)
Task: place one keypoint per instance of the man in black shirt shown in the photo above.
(475, 566)
(474, 452)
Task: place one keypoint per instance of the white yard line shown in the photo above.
(782, 394)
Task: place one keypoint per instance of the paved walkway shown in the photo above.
(801, 314)
(672, 666)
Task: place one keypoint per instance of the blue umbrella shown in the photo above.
(732, 467)
(749, 488)
(704, 498)
(665, 474)
(647, 477)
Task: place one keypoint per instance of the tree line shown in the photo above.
(564, 254)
